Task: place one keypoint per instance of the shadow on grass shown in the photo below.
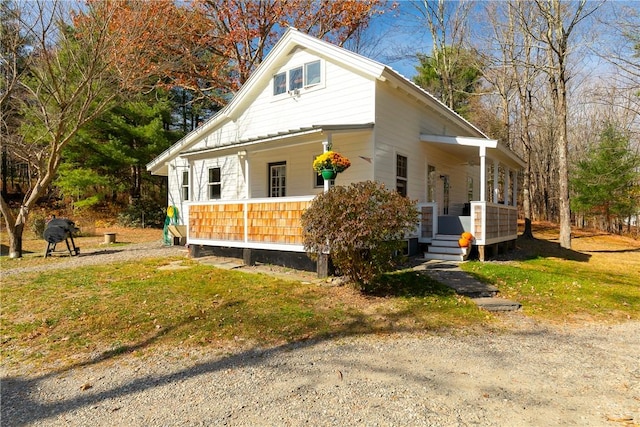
(22, 404)
(407, 283)
(541, 248)
(4, 250)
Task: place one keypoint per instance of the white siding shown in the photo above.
(175, 187)
(400, 119)
(299, 159)
(233, 183)
(343, 97)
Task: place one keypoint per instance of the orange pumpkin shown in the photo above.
(467, 235)
(463, 243)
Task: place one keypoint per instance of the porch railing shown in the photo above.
(428, 222)
(493, 223)
(272, 223)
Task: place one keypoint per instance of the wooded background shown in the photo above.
(92, 91)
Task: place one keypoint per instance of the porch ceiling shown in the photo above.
(469, 149)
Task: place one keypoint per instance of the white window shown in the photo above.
(295, 78)
(401, 175)
(185, 185)
(312, 73)
(307, 75)
(278, 179)
(215, 183)
(280, 83)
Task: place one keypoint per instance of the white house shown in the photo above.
(243, 178)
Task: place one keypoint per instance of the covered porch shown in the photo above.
(492, 219)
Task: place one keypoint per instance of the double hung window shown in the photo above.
(215, 183)
(401, 175)
(185, 185)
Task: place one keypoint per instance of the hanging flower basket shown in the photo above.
(330, 163)
(328, 174)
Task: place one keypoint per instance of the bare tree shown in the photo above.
(447, 23)
(67, 84)
(559, 20)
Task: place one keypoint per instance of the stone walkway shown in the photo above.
(483, 294)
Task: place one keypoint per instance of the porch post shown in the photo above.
(496, 190)
(483, 174)
(243, 156)
(326, 144)
(515, 188)
(507, 185)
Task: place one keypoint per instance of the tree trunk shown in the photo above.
(15, 228)
(526, 200)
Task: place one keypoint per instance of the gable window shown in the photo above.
(307, 75)
(312, 73)
(215, 183)
(280, 83)
(401, 175)
(277, 179)
(295, 78)
(185, 185)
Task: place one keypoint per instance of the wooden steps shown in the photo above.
(445, 248)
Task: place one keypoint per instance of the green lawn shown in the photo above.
(598, 280)
(59, 318)
(68, 316)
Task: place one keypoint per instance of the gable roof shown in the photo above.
(291, 40)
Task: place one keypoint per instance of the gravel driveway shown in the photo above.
(534, 375)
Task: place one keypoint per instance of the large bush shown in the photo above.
(362, 226)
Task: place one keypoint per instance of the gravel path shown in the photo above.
(104, 255)
(534, 375)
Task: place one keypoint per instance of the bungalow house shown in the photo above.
(241, 181)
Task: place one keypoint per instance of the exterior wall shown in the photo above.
(301, 178)
(175, 188)
(343, 97)
(400, 119)
(232, 175)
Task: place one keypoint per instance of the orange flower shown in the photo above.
(331, 160)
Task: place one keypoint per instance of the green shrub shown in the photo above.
(362, 226)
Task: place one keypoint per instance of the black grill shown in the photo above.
(59, 230)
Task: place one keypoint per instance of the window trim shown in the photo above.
(304, 85)
(306, 73)
(184, 185)
(270, 187)
(402, 178)
(284, 86)
(212, 184)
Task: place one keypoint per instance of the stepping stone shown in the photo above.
(497, 304)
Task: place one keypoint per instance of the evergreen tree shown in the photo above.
(122, 141)
(463, 78)
(606, 184)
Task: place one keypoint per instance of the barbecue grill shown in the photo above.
(58, 230)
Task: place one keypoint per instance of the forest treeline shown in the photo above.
(93, 90)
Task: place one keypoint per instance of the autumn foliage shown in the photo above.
(210, 47)
(362, 226)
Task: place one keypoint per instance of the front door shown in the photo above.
(445, 194)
